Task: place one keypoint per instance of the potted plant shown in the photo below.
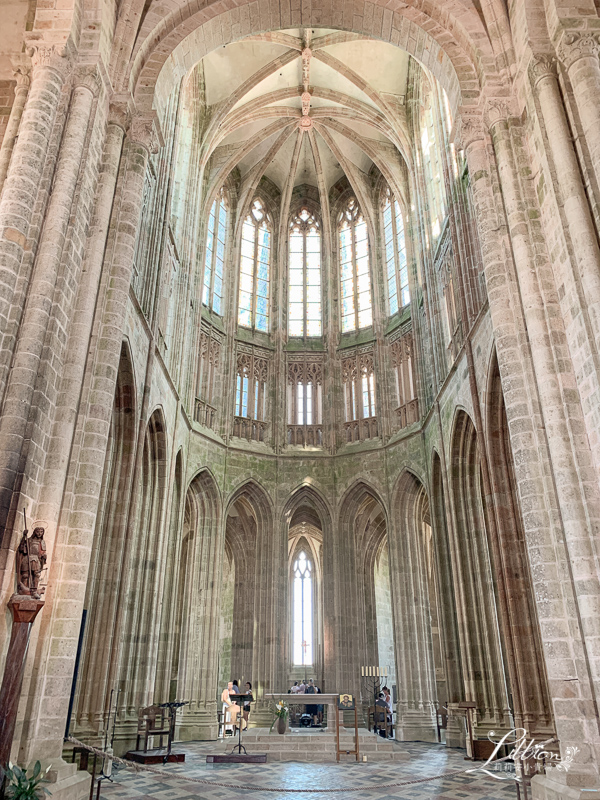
(20, 786)
(280, 715)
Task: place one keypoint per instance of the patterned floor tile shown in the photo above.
(375, 780)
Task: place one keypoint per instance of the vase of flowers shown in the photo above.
(20, 786)
(280, 715)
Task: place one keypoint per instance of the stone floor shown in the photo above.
(425, 760)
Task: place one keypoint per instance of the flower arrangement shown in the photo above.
(280, 711)
(19, 786)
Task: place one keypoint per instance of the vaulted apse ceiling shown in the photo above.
(305, 107)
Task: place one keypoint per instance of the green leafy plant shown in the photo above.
(279, 711)
(20, 786)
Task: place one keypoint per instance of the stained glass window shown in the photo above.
(395, 254)
(303, 639)
(255, 263)
(212, 294)
(304, 307)
(354, 269)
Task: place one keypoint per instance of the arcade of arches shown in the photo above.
(300, 360)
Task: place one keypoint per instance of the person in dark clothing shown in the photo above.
(246, 703)
(312, 709)
(381, 715)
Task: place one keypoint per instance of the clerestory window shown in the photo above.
(304, 307)
(354, 269)
(395, 254)
(255, 266)
(432, 164)
(212, 293)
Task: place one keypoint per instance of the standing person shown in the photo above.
(388, 699)
(236, 687)
(246, 703)
(319, 708)
(295, 688)
(312, 708)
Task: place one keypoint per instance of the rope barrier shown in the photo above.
(174, 776)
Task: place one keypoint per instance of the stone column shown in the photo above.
(50, 69)
(584, 287)
(555, 520)
(33, 330)
(49, 691)
(415, 671)
(12, 128)
(579, 53)
(59, 447)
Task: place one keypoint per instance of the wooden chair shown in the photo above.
(381, 721)
(152, 721)
(371, 717)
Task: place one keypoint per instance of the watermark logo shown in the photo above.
(524, 750)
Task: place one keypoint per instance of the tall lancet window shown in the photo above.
(305, 276)
(255, 263)
(354, 269)
(395, 254)
(432, 163)
(212, 294)
(303, 633)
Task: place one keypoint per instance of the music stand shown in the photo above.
(241, 698)
(172, 719)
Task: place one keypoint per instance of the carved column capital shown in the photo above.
(143, 131)
(49, 55)
(468, 130)
(119, 114)
(88, 77)
(541, 66)
(22, 75)
(574, 46)
(497, 109)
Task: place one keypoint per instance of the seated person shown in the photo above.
(381, 714)
(231, 709)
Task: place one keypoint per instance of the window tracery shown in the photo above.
(255, 266)
(395, 253)
(358, 376)
(304, 306)
(402, 362)
(214, 259)
(354, 268)
(252, 372)
(305, 402)
(205, 411)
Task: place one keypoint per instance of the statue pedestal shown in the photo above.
(24, 610)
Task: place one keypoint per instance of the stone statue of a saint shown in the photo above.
(30, 561)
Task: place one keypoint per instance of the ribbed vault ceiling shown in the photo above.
(304, 107)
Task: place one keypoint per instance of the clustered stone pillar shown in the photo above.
(586, 252)
(50, 69)
(40, 299)
(579, 53)
(14, 121)
(568, 598)
(78, 515)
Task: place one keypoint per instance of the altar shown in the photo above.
(330, 700)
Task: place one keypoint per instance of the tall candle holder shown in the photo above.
(373, 678)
